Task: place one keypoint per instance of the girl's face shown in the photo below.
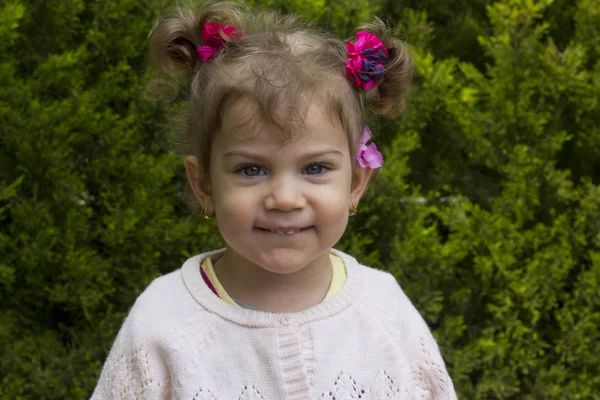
(281, 205)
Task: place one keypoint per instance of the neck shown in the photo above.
(273, 292)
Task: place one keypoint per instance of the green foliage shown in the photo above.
(486, 211)
(88, 196)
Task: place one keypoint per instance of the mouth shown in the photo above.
(285, 231)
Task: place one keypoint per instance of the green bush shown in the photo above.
(487, 209)
(502, 255)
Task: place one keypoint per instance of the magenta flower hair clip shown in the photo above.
(368, 156)
(367, 55)
(215, 36)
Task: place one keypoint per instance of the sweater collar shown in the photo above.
(202, 294)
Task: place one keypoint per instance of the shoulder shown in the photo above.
(380, 280)
(382, 292)
(161, 308)
(152, 307)
(384, 299)
(135, 357)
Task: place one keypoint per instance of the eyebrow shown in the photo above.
(306, 155)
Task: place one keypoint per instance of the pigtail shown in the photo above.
(388, 97)
(225, 12)
(173, 41)
(175, 37)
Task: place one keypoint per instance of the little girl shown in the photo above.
(279, 155)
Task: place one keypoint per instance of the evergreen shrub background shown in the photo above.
(487, 209)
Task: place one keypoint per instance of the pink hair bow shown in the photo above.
(368, 156)
(367, 55)
(215, 36)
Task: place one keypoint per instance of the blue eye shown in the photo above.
(315, 169)
(251, 170)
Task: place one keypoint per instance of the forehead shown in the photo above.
(243, 126)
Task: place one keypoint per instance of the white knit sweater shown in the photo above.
(180, 341)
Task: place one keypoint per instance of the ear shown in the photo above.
(360, 180)
(199, 181)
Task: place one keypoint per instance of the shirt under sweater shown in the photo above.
(338, 277)
(180, 341)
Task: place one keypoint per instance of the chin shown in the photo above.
(284, 262)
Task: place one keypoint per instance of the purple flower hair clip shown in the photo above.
(215, 36)
(368, 156)
(367, 55)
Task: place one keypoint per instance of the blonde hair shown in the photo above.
(279, 68)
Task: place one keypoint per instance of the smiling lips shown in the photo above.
(284, 231)
(281, 232)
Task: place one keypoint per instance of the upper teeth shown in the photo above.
(280, 232)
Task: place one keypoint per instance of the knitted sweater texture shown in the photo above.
(367, 342)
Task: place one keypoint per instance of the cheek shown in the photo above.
(334, 203)
(234, 208)
(233, 220)
(337, 193)
(333, 218)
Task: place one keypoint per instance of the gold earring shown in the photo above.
(353, 209)
(207, 213)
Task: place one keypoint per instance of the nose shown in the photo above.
(284, 195)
